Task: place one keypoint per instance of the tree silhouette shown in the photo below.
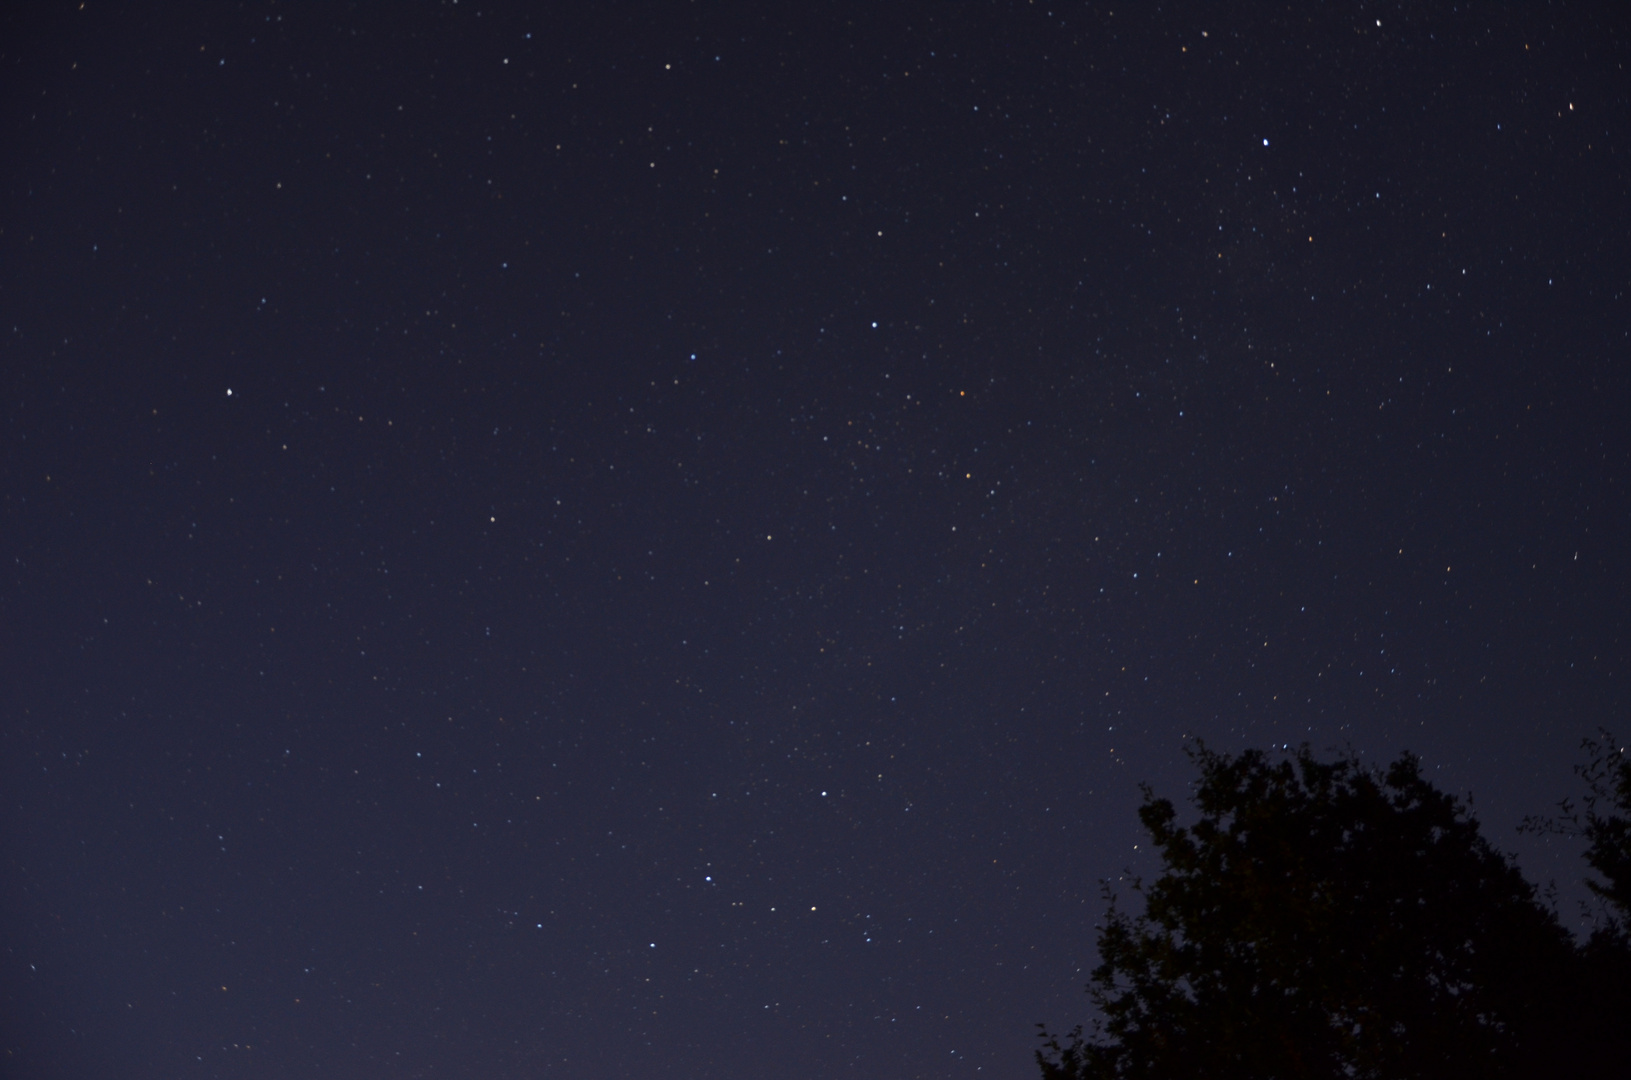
(1606, 822)
(1335, 920)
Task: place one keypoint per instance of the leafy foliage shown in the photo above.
(1331, 920)
(1606, 821)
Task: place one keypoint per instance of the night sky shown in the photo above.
(622, 540)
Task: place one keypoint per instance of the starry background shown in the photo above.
(660, 539)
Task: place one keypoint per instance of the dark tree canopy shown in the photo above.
(1335, 920)
(1605, 821)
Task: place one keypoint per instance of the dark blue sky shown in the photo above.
(661, 539)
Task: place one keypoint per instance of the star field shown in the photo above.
(663, 539)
